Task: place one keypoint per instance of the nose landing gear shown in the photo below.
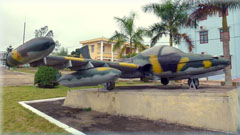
(193, 83)
(109, 85)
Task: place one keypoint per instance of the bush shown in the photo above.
(46, 77)
(130, 55)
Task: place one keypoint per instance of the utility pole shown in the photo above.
(24, 32)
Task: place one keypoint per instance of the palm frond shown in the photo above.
(158, 30)
(234, 4)
(201, 11)
(126, 23)
(119, 39)
(188, 41)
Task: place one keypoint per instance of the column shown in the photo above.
(112, 51)
(101, 53)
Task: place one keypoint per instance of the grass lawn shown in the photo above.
(17, 119)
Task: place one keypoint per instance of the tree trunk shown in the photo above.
(171, 39)
(226, 50)
(130, 47)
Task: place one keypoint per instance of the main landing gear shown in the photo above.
(193, 83)
(109, 85)
(164, 81)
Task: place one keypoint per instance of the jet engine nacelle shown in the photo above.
(90, 77)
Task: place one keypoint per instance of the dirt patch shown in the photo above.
(92, 121)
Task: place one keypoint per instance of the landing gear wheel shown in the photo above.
(193, 83)
(109, 85)
(164, 81)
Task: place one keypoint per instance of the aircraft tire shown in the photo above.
(164, 81)
(110, 86)
(193, 83)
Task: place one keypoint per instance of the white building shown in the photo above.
(207, 38)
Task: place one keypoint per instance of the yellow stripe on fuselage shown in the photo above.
(103, 68)
(128, 65)
(182, 63)
(16, 56)
(156, 66)
(207, 63)
(73, 58)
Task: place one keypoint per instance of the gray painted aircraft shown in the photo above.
(157, 63)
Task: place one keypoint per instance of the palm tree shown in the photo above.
(129, 34)
(173, 16)
(212, 7)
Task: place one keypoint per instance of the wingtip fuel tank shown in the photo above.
(90, 77)
(30, 51)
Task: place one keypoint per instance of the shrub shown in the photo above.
(46, 77)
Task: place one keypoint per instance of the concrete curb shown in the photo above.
(49, 118)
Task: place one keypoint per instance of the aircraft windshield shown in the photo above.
(170, 50)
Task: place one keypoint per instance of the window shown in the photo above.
(92, 48)
(203, 37)
(220, 13)
(221, 33)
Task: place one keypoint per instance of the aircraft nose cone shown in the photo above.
(225, 61)
(49, 43)
(221, 61)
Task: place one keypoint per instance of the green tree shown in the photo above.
(129, 34)
(43, 32)
(173, 15)
(62, 52)
(57, 46)
(76, 53)
(212, 7)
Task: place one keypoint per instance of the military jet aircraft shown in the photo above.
(157, 63)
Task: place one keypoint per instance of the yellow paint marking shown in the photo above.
(77, 59)
(128, 65)
(102, 68)
(207, 63)
(157, 69)
(182, 63)
(16, 55)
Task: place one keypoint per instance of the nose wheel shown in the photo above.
(193, 83)
(109, 85)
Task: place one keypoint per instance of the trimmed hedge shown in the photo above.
(46, 77)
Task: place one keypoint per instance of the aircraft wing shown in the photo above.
(73, 63)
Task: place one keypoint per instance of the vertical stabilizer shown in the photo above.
(84, 52)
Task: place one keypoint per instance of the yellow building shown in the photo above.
(100, 49)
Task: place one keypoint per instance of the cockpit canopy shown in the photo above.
(161, 50)
(166, 50)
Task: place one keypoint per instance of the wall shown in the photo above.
(209, 109)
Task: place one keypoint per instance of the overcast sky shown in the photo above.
(72, 21)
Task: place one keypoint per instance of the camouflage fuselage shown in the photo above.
(171, 63)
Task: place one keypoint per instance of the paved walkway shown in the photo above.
(10, 78)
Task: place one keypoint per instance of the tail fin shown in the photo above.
(84, 52)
